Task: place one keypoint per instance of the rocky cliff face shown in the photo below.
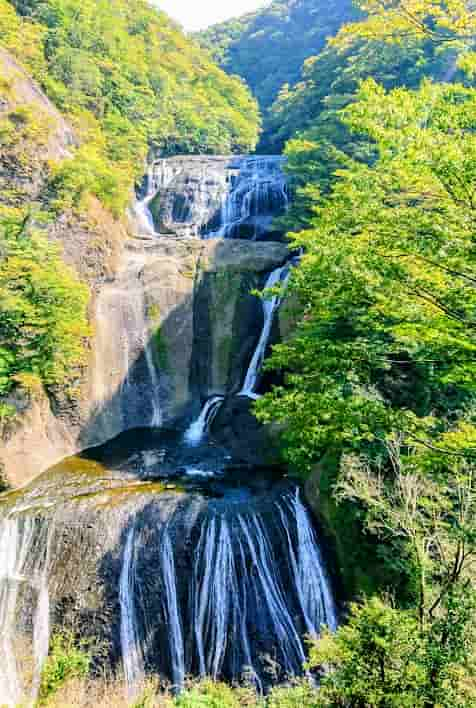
(170, 331)
(177, 324)
(228, 197)
(173, 318)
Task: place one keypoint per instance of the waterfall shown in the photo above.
(312, 585)
(222, 586)
(186, 575)
(199, 427)
(258, 194)
(172, 611)
(272, 600)
(145, 221)
(270, 306)
(24, 607)
(240, 591)
(216, 197)
(132, 659)
(257, 586)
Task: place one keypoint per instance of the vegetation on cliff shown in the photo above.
(43, 309)
(380, 372)
(268, 47)
(128, 80)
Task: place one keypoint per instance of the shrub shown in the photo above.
(67, 661)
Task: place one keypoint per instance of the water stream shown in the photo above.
(24, 606)
(179, 558)
(132, 659)
(195, 434)
(270, 306)
(258, 193)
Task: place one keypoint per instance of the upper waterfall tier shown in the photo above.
(209, 197)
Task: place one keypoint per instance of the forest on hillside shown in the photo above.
(373, 385)
(127, 81)
(267, 48)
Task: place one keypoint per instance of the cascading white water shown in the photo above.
(258, 193)
(270, 306)
(206, 586)
(312, 585)
(253, 588)
(199, 427)
(144, 219)
(172, 611)
(41, 633)
(213, 197)
(24, 608)
(267, 587)
(239, 591)
(132, 657)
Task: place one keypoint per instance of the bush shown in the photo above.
(67, 661)
(209, 694)
(43, 308)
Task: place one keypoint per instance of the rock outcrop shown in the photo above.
(171, 329)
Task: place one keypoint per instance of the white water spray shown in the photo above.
(198, 429)
(176, 643)
(24, 603)
(132, 658)
(270, 306)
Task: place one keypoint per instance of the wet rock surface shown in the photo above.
(209, 196)
(152, 544)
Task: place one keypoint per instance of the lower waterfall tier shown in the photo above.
(177, 560)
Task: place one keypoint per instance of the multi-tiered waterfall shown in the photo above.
(162, 544)
(213, 197)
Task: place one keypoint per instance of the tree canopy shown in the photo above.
(267, 48)
(128, 80)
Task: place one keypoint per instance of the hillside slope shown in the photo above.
(86, 91)
(268, 47)
(128, 79)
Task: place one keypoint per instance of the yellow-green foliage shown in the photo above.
(22, 38)
(43, 318)
(209, 694)
(22, 131)
(127, 79)
(66, 661)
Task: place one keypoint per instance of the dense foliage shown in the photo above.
(330, 80)
(388, 337)
(267, 48)
(127, 79)
(380, 373)
(66, 662)
(43, 320)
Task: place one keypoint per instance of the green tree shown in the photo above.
(381, 659)
(43, 308)
(386, 338)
